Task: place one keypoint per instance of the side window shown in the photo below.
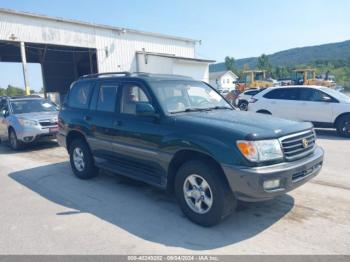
(283, 94)
(251, 93)
(290, 94)
(274, 94)
(131, 96)
(3, 105)
(107, 97)
(79, 95)
(312, 95)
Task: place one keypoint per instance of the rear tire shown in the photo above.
(81, 160)
(343, 126)
(15, 144)
(197, 181)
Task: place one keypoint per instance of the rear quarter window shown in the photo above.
(79, 95)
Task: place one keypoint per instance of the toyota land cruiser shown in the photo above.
(180, 134)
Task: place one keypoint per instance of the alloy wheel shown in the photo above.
(78, 159)
(198, 194)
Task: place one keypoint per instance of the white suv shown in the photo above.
(322, 106)
(243, 98)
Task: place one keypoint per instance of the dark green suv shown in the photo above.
(180, 134)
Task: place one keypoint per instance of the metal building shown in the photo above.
(67, 49)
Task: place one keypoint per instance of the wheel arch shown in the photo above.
(264, 111)
(339, 117)
(185, 155)
(74, 134)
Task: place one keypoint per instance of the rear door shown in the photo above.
(103, 119)
(281, 102)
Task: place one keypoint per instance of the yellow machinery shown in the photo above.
(308, 77)
(254, 79)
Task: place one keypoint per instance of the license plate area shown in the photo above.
(53, 129)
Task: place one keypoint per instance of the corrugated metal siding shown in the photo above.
(115, 49)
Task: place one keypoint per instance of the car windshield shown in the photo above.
(337, 95)
(176, 96)
(22, 106)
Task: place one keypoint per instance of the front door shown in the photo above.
(140, 137)
(315, 106)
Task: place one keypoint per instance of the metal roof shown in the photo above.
(175, 57)
(77, 22)
(218, 74)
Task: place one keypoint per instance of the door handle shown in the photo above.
(87, 118)
(117, 123)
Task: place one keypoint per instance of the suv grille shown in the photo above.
(298, 145)
(48, 123)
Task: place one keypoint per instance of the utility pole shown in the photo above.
(24, 66)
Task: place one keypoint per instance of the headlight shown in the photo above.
(27, 122)
(262, 150)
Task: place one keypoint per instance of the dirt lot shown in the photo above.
(46, 210)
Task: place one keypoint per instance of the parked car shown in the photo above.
(224, 92)
(179, 134)
(26, 119)
(322, 106)
(243, 98)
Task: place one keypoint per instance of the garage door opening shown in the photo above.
(12, 78)
(60, 65)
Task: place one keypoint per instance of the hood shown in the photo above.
(39, 116)
(247, 125)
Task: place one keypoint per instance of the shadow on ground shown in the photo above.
(144, 211)
(330, 134)
(37, 146)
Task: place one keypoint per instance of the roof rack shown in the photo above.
(21, 97)
(104, 74)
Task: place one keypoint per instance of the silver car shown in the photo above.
(24, 120)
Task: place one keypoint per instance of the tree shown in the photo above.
(230, 63)
(2, 91)
(264, 63)
(14, 91)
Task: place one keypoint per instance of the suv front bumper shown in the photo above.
(29, 134)
(247, 182)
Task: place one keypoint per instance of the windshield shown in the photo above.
(32, 105)
(177, 96)
(337, 95)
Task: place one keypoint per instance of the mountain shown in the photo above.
(296, 56)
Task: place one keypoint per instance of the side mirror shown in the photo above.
(5, 113)
(145, 109)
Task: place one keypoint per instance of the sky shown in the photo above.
(226, 28)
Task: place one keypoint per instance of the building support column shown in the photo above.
(24, 66)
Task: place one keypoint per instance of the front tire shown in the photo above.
(203, 194)
(81, 160)
(15, 144)
(343, 126)
(243, 106)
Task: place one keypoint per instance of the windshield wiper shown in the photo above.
(194, 109)
(220, 107)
